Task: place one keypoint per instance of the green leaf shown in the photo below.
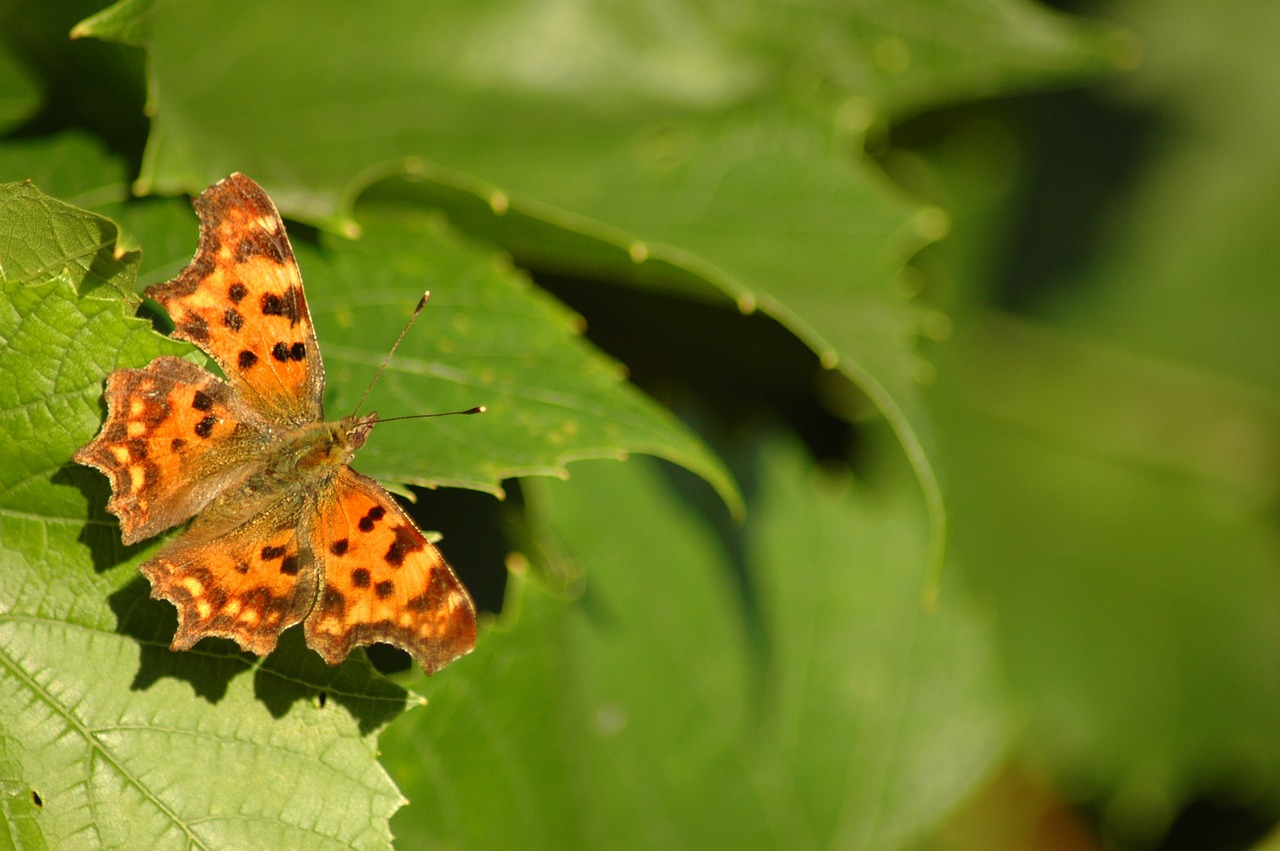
(124, 743)
(127, 21)
(44, 240)
(718, 146)
(486, 337)
(19, 803)
(776, 687)
(1148, 644)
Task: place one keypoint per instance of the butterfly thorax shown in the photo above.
(314, 451)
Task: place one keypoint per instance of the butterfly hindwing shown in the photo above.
(246, 583)
(383, 580)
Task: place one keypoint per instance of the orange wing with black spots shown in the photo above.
(383, 580)
(241, 301)
(173, 438)
(247, 583)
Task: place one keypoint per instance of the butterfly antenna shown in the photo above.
(478, 409)
(422, 302)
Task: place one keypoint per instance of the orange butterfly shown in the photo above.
(284, 531)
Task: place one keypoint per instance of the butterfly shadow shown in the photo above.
(292, 674)
(100, 534)
(208, 669)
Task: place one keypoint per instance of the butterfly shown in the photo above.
(284, 531)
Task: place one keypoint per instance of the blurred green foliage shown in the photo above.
(897, 286)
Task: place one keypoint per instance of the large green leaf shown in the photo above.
(794, 695)
(487, 337)
(717, 143)
(113, 740)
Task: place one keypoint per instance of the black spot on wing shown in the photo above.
(371, 518)
(194, 328)
(405, 543)
(287, 304)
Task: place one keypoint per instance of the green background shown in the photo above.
(882, 436)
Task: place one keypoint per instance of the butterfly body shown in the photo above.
(282, 530)
(312, 453)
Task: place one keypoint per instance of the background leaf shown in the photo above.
(639, 717)
(689, 145)
(1108, 407)
(18, 97)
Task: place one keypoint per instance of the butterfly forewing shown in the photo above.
(241, 300)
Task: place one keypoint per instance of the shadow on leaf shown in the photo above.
(292, 673)
(295, 672)
(208, 670)
(101, 532)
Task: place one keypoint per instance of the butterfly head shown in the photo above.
(355, 429)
